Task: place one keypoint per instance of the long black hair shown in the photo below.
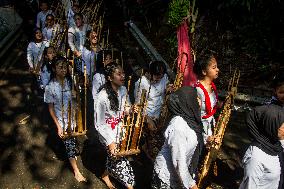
(112, 95)
(34, 34)
(46, 62)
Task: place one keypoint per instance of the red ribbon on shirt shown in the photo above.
(208, 108)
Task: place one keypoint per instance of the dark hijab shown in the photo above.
(184, 103)
(263, 123)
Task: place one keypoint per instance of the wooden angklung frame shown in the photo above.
(133, 126)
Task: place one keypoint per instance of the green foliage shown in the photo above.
(178, 10)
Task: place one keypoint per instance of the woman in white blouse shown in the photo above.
(35, 50)
(109, 112)
(176, 164)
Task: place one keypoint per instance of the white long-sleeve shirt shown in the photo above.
(40, 19)
(261, 171)
(35, 51)
(108, 123)
(76, 37)
(173, 161)
(156, 95)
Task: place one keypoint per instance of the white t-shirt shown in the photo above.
(156, 95)
(50, 33)
(58, 96)
(40, 19)
(35, 51)
(77, 37)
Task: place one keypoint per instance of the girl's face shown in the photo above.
(93, 38)
(61, 69)
(50, 21)
(108, 59)
(75, 8)
(50, 54)
(78, 21)
(44, 6)
(118, 77)
(38, 35)
(212, 70)
(156, 78)
(279, 93)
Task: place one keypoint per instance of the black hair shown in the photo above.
(50, 15)
(157, 67)
(46, 62)
(278, 80)
(34, 33)
(112, 95)
(57, 60)
(44, 1)
(100, 59)
(78, 14)
(87, 43)
(201, 64)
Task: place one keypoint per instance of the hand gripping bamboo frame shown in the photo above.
(220, 127)
(133, 129)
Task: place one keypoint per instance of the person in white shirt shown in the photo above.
(57, 95)
(155, 81)
(41, 16)
(90, 52)
(46, 67)
(176, 165)
(77, 35)
(51, 30)
(104, 58)
(206, 70)
(261, 161)
(109, 111)
(72, 9)
(35, 50)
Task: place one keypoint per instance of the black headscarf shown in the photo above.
(263, 123)
(184, 103)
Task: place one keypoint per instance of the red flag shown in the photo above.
(185, 60)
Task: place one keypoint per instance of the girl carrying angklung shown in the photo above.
(110, 108)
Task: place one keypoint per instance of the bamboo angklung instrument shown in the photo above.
(133, 126)
(78, 128)
(130, 143)
(219, 129)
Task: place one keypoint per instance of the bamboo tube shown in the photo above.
(85, 95)
(121, 57)
(137, 126)
(125, 121)
(62, 104)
